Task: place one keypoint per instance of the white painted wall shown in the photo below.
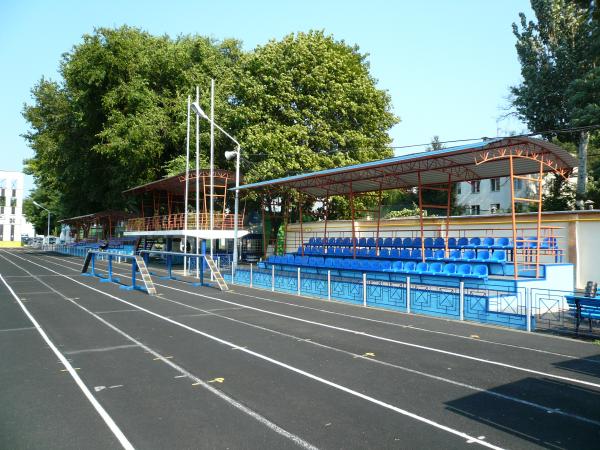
(12, 187)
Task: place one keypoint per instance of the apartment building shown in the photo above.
(12, 221)
(492, 196)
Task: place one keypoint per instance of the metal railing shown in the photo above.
(177, 222)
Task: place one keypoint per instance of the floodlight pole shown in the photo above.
(236, 208)
(48, 211)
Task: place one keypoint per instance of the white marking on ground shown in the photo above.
(101, 349)
(97, 406)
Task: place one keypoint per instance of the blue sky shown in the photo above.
(447, 65)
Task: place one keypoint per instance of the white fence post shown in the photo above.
(298, 280)
(250, 274)
(461, 299)
(272, 278)
(364, 289)
(408, 295)
(329, 285)
(232, 274)
(528, 307)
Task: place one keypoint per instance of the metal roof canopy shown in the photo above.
(176, 183)
(481, 160)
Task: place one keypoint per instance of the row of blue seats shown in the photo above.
(495, 256)
(366, 265)
(488, 243)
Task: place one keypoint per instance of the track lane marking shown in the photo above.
(289, 367)
(166, 359)
(114, 428)
(546, 409)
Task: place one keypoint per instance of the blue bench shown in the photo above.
(583, 308)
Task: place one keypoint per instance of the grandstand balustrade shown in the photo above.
(177, 222)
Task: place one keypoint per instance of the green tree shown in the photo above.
(555, 55)
(118, 115)
(308, 102)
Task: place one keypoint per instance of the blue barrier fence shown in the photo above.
(499, 307)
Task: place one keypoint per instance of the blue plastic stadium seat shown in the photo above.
(405, 253)
(397, 266)
(439, 242)
(289, 259)
(435, 268)
(483, 255)
(449, 270)
(452, 242)
(394, 253)
(380, 242)
(397, 242)
(422, 267)
(465, 270)
(347, 251)
(299, 250)
(473, 243)
(302, 260)
(480, 271)
(407, 243)
(339, 241)
(346, 242)
(372, 253)
(428, 242)
(409, 266)
(364, 264)
(503, 243)
(388, 242)
(499, 256)
(371, 242)
(487, 243)
(374, 266)
(439, 255)
(416, 243)
(319, 242)
(311, 241)
(469, 255)
(428, 253)
(384, 253)
(416, 254)
(362, 252)
(338, 251)
(462, 242)
(329, 263)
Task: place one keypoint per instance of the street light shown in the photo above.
(48, 211)
(229, 156)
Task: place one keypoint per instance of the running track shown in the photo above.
(88, 365)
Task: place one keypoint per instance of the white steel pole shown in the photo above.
(187, 185)
(198, 261)
(236, 208)
(461, 300)
(364, 289)
(212, 163)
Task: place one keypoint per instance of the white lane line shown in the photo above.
(102, 349)
(17, 329)
(184, 373)
(545, 409)
(97, 406)
(381, 338)
(116, 311)
(384, 322)
(291, 368)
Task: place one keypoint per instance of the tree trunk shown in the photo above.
(584, 139)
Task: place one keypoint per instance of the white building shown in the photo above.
(492, 196)
(12, 221)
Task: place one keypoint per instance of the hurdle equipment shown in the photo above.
(216, 273)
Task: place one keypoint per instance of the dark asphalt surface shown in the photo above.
(198, 368)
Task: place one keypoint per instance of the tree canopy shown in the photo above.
(116, 118)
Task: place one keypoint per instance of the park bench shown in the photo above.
(584, 308)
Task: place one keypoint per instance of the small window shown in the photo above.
(458, 186)
(475, 187)
(494, 208)
(475, 210)
(1, 232)
(13, 202)
(495, 184)
(14, 192)
(518, 183)
(13, 210)
(12, 232)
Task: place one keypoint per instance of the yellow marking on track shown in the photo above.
(474, 336)
(66, 370)
(162, 357)
(369, 354)
(217, 380)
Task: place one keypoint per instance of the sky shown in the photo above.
(447, 65)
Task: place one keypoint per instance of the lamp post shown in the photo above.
(229, 156)
(48, 211)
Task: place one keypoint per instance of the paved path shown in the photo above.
(200, 368)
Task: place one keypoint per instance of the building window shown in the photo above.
(518, 184)
(1, 232)
(13, 202)
(12, 232)
(475, 187)
(1, 209)
(13, 210)
(458, 185)
(14, 192)
(494, 208)
(495, 184)
(475, 210)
